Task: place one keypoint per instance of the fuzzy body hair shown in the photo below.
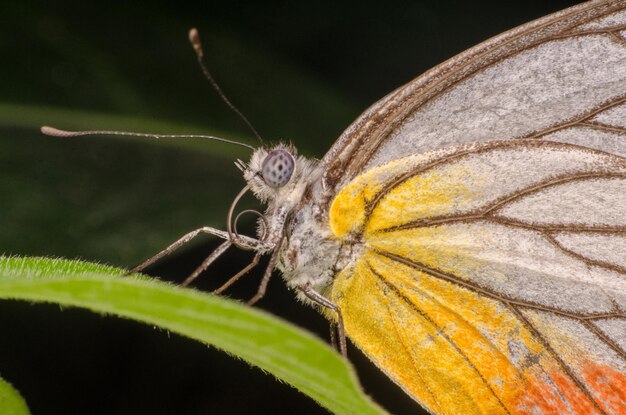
(309, 254)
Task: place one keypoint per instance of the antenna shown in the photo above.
(55, 132)
(194, 38)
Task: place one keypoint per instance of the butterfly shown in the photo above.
(468, 231)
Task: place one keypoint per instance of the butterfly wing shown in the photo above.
(559, 78)
(491, 278)
(485, 206)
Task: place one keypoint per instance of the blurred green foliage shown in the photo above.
(11, 403)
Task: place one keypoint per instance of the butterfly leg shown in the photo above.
(183, 240)
(332, 328)
(323, 301)
(268, 273)
(207, 262)
(231, 280)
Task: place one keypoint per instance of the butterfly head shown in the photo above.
(279, 178)
(275, 172)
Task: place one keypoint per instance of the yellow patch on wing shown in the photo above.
(435, 192)
(348, 212)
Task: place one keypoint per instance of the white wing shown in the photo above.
(560, 78)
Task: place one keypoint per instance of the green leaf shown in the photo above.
(11, 402)
(289, 353)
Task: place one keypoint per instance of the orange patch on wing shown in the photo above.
(563, 396)
(609, 385)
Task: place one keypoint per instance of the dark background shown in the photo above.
(301, 72)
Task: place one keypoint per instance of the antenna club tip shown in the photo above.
(46, 130)
(194, 39)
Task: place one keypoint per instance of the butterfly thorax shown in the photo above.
(309, 254)
(294, 221)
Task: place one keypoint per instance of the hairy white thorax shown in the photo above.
(308, 252)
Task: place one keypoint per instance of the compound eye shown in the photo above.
(277, 168)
